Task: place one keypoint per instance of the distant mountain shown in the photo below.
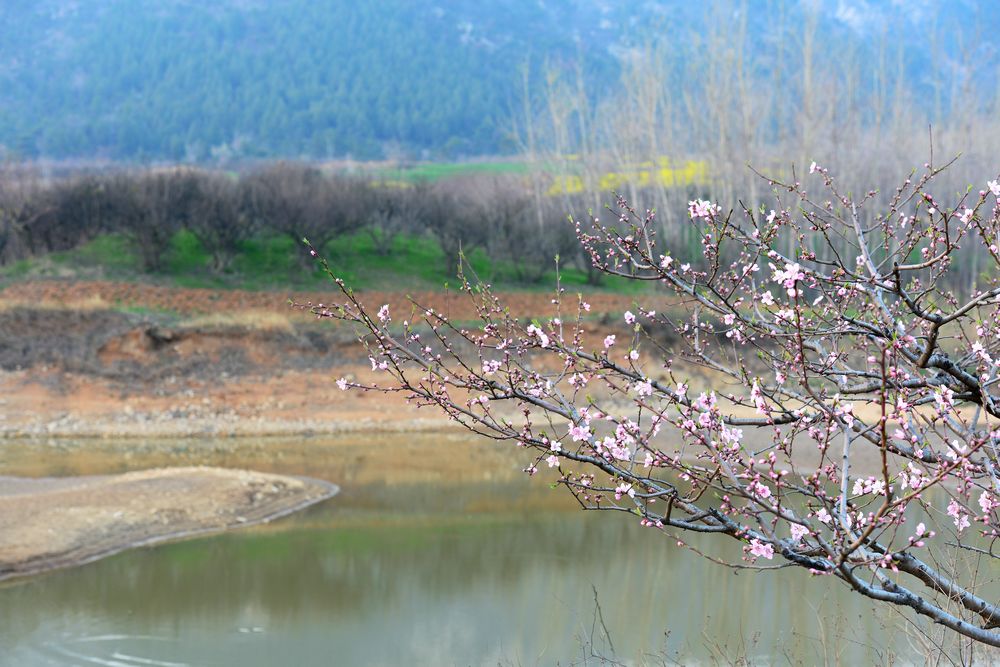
(157, 80)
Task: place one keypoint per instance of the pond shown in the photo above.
(438, 551)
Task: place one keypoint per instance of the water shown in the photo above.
(437, 552)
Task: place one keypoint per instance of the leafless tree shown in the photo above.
(218, 218)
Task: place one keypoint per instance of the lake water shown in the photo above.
(437, 552)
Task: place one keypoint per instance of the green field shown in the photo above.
(436, 171)
(272, 262)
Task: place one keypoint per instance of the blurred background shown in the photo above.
(160, 163)
(201, 141)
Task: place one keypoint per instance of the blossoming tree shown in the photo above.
(852, 423)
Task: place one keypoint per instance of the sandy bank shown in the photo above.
(53, 523)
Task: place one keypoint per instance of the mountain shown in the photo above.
(169, 80)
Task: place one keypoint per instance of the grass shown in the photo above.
(440, 170)
(416, 262)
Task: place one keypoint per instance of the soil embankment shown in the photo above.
(53, 523)
(102, 359)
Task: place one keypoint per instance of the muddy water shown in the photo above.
(438, 551)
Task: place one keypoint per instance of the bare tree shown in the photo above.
(393, 210)
(456, 220)
(218, 218)
(299, 201)
(852, 424)
(150, 208)
(21, 205)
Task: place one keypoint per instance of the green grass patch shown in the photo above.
(441, 170)
(17, 270)
(186, 255)
(414, 262)
(111, 252)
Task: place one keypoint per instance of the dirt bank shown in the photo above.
(53, 523)
(102, 359)
(189, 301)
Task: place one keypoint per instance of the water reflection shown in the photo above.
(398, 571)
(429, 592)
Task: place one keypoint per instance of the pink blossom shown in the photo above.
(731, 436)
(383, 313)
(798, 531)
(758, 398)
(844, 410)
(629, 317)
(342, 384)
(823, 515)
(580, 432)
(552, 460)
(986, 502)
(813, 168)
(785, 314)
(609, 341)
(966, 215)
(543, 340)
(868, 485)
(643, 389)
(911, 477)
(955, 511)
(761, 549)
(943, 397)
(767, 298)
(700, 208)
(789, 276)
(620, 451)
(994, 187)
(624, 489)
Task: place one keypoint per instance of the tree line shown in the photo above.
(497, 214)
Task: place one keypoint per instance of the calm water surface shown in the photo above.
(437, 552)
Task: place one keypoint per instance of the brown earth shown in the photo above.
(74, 361)
(73, 294)
(53, 523)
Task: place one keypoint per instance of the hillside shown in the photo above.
(178, 80)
